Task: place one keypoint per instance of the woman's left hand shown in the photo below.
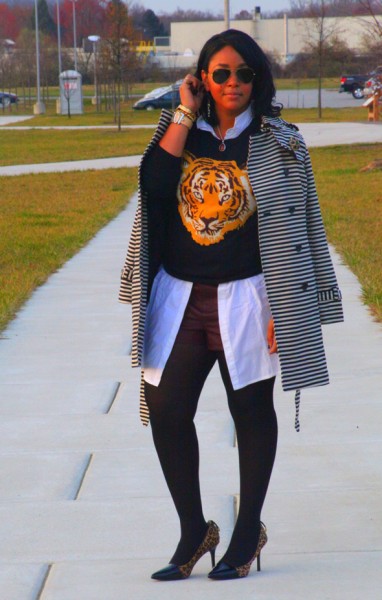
(271, 337)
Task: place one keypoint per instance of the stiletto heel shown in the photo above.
(212, 552)
(225, 571)
(209, 543)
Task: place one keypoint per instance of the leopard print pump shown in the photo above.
(263, 538)
(209, 543)
(225, 571)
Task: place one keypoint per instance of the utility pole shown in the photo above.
(226, 14)
(59, 38)
(75, 35)
(39, 107)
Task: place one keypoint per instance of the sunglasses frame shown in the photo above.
(230, 71)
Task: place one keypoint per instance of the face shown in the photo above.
(233, 96)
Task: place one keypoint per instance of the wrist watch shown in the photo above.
(180, 118)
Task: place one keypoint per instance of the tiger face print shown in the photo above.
(214, 197)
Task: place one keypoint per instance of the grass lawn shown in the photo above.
(352, 208)
(144, 117)
(329, 115)
(36, 146)
(89, 117)
(44, 223)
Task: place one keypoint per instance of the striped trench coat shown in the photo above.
(298, 271)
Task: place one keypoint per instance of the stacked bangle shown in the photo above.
(184, 116)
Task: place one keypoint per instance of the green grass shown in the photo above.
(144, 117)
(329, 115)
(35, 146)
(329, 83)
(89, 117)
(352, 207)
(46, 219)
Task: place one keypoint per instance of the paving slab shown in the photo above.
(117, 162)
(48, 397)
(138, 527)
(332, 134)
(323, 576)
(9, 119)
(21, 581)
(29, 477)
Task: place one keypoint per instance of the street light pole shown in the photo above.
(75, 35)
(59, 38)
(39, 107)
(94, 39)
(226, 14)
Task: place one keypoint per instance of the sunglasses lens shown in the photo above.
(245, 75)
(221, 75)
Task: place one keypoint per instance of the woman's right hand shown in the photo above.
(191, 93)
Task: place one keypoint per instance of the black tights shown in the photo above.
(172, 407)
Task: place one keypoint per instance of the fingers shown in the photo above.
(191, 92)
(193, 84)
(271, 337)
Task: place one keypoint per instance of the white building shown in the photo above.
(284, 38)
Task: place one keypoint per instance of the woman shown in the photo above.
(227, 255)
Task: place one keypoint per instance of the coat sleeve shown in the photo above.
(125, 290)
(329, 295)
(130, 287)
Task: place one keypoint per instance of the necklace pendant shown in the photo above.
(222, 146)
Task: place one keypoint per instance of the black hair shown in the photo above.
(263, 89)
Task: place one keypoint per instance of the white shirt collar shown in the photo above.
(241, 122)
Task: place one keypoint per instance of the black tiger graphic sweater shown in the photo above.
(202, 211)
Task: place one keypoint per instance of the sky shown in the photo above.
(213, 6)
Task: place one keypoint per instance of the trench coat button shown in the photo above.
(294, 143)
(304, 286)
(267, 213)
(298, 247)
(292, 209)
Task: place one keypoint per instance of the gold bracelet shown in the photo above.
(187, 111)
(181, 118)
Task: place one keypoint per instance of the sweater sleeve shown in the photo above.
(160, 172)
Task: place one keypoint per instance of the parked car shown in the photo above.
(162, 98)
(353, 84)
(6, 98)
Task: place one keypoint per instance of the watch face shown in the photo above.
(178, 117)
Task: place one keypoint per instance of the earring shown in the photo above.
(208, 107)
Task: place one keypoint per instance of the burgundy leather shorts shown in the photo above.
(200, 325)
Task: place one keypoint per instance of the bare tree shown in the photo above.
(320, 32)
(68, 89)
(116, 46)
(373, 8)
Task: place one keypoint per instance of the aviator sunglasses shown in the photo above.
(243, 74)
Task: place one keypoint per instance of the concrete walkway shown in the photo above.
(85, 514)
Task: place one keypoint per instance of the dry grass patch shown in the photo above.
(352, 207)
(129, 116)
(329, 115)
(46, 219)
(144, 117)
